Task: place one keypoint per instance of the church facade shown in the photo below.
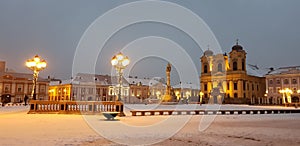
(229, 79)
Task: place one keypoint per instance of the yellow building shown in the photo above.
(229, 79)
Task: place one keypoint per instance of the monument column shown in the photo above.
(167, 97)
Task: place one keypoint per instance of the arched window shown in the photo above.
(220, 67)
(235, 95)
(234, 65)
(243, 64)
(286, 81)
(205, 68)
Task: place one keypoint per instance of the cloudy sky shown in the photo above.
(267, 29)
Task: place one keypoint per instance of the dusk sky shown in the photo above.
(267, 29)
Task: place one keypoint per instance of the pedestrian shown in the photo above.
(25, 100)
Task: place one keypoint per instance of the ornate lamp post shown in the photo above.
(35, 64)
(201, 96)
(120, 62)
(286, 93)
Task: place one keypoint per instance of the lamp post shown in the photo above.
(286, 93)
(119, 62)
(201, 95)
(35, 64)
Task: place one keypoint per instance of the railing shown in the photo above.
(212, 112)
(74, 107)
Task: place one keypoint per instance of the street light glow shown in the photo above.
(36, 64)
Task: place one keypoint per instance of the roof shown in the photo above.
(285, 70)
(187, 86)
(22, 75)
(254, 70)
(145, 81)
(85, 78)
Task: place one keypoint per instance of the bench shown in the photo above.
(110, 115)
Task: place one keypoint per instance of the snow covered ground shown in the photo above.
(19, 128)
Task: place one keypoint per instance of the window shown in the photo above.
(19, 88)
(6, 88)
(277, 81)
(295, 90)
(228, 87)
(42, 88)
(220, 67)
(82, 90)
(270, 90)
(235, 86)
(205, 87)
(205, 68)
(294, 81)
(257, 87)
(235, 95)
(252, 87)
(234, 65)
(243, 64)
(286, 81)
(270, 81)
(244, 85)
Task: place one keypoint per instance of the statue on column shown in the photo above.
(169, 94)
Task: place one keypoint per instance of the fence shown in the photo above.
(74, 107)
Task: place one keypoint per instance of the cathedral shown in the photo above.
(229, 79)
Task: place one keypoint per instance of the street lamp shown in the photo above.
(120, 62)
(35, 64)
(201, 96)
(286, 92)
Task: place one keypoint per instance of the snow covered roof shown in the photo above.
(285, 70)
(22, 75)
(145, 81)
(253, 70)
(187, 86)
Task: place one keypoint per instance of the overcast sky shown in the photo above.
(267, 29)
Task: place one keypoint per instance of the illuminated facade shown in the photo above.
(283, 85)
(87, 87)
(150, 90)
(15, 86)
(229, 79)
(187, 91)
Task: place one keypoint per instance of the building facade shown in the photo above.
(15, 86)
(283, 86)
(229, 79)
(88, 87)
(187, 91)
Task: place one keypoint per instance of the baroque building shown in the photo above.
(283, 86)
(93, 87)
(229, 79)
(87, 87)
(15, 86)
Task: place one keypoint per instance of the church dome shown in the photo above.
(237, 47)
(208, 53)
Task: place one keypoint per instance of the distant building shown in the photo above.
(145, 89)
(15, 86)
(283, 85)
(229, 79)
(187, 91)
(88, 87)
